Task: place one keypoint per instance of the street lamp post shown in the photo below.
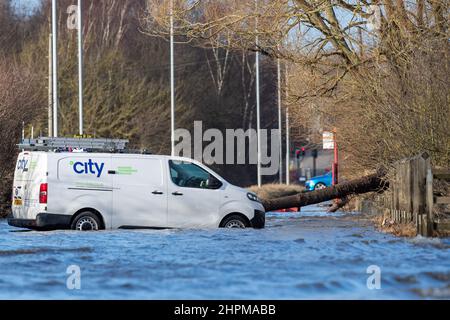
(55, 67)
(80, 68)
(258, 101)
(288, 146)
(280, 140)
(172, 84)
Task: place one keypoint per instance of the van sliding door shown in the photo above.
(140, 193)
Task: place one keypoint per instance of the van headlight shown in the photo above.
(253, 197)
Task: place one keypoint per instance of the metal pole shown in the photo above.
(314, 164)
(55, 68)
(50, 84)
(280, 140)
(288, 146)
(335, 172)
(258, 101)
(172, 84)
(80, 68)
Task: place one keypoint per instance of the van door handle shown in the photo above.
(176, 193)
(157, 192)
(111, 171)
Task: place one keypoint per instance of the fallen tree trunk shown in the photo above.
(370, 183)
(338, 204)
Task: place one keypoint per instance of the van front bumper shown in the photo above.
(43, 221)
(259, 220)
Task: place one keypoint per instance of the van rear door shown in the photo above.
(30, 173)
(140, 192)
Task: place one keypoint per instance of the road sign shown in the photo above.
(328, 140)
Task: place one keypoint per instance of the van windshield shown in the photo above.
(189, 175)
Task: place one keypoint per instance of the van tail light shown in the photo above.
(43, 193)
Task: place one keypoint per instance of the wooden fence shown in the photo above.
(410, 198)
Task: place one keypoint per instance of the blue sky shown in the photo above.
(25, 5)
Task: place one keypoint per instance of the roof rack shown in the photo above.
(71, 144)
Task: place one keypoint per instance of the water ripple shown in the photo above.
(298, 256)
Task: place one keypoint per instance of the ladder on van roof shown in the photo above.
(71, 144)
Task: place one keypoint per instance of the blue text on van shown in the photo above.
(89, 167)
(22, 165)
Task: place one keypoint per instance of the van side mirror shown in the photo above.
(214, 183)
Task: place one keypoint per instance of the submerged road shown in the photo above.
(307, 255)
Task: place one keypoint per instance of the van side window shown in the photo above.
(188, 175)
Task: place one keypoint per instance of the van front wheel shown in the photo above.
(86, 221)
(234, 221)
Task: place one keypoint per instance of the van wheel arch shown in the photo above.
(247, 220)
(96, 212)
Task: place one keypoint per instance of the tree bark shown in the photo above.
(338, 204)
(370, 183)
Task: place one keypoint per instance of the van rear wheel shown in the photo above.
(86, 221)
(234, 221)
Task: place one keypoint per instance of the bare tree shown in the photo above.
(375, 70)
(18, 104)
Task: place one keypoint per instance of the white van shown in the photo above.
(93, 191)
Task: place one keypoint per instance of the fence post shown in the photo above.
(410, 197)
(409, 191)
(401, 193)
(429, 202)
(396, 199)
(416, 193)
(424, 164)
